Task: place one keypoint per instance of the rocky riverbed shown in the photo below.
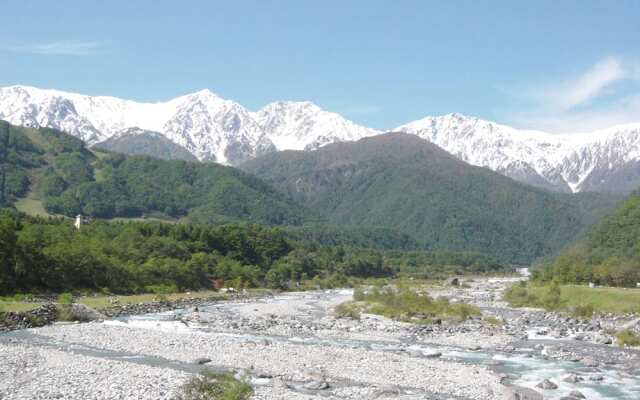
(292, 347)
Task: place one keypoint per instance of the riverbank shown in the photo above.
(46, 313)
(292, 346)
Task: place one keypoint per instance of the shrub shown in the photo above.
(347, 310)
(552, 300)
(161, 289)
(408, 305)
(212, 386)
(519, 296)
(583, 311)
(358, 294)
(491, 320)
(64, 312)
(628, 337)
(162, 298)
(65, 298)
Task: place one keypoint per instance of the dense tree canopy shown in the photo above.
(39, 254)
(403, 183)
(608, 255)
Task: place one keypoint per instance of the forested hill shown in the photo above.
(608, 255)
(50, 255)
(402, 182)
(69, 179)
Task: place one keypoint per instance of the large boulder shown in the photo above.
(522, 393)
(81, 312)
(547, 385)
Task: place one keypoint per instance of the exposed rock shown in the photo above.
(432, 354)
(202, 361)
(572, 378)
(522, 393)
(83, 313)
(317, 385)
(547, 385)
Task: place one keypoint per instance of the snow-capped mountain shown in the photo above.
(210, 127)
(215, 129)
(304, 126)
(598, 161)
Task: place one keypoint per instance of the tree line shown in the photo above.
(609, 255)
(50, 255)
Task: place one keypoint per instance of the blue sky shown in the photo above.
(551, 65)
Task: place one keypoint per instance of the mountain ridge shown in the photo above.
(402, 182)
(215, 129)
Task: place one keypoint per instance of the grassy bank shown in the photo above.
(576, 298)
(15, 304)
(404, 304)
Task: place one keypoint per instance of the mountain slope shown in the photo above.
(135, 141)
(402, 182)
(209, 127)
(305, 126)
(605, 160)
(70, 179)
(214, 129)
(609, 254)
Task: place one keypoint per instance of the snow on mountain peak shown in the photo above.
(216, 129)
(299, 125)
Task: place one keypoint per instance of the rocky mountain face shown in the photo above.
(606, 160)
(220, 130)
(305, 126)
(209, 127)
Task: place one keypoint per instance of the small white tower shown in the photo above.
(78, 223)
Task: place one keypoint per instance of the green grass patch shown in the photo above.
(31, 206)
(580, 300)
(17, 306)
(406, 304)
(101, 302)
(18, 303)
(628, 337)
(212, 386)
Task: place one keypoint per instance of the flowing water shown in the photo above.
(522, 367)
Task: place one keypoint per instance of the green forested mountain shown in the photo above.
(69, 179)
(609, 254)
(402, 182)
(393, 191)
(139, 142)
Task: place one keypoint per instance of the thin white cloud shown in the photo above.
(59, 48)
(624, 111)
(575, 105)
(590, 84)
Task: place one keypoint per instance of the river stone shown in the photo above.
(202, 361)
(386, 391)
(547, 385)
(432, 354)
(81, 312)
(577, 394)
(589, 362)
(316, 385)
(572, 378)
(522, 393)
